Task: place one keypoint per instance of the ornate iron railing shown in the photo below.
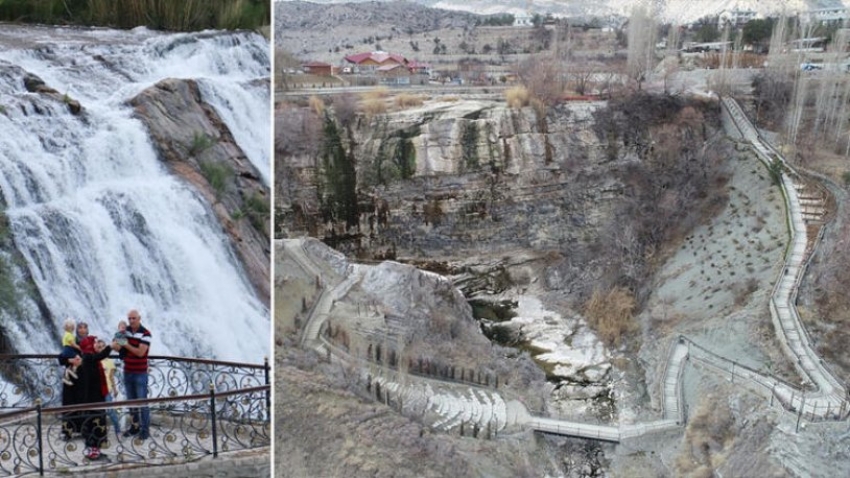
(26, 378)
(197, 407)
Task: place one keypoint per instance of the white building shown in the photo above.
(523, 19)
(735, 17)
(826, 15)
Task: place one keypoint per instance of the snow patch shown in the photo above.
(574, 350)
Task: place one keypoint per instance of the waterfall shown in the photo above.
(102, 226)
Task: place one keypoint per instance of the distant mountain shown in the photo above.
(404, 16)
(677, 11)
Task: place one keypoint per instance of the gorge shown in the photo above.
(648, 210)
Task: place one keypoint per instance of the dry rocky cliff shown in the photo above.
(454, 179)
(453, 176)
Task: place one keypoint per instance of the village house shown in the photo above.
(371, 61)
(394, 74)
(317, 68)
(388, 68)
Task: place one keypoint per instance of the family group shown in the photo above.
(89, 377)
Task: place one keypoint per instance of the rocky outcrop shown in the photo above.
(34, 84)
(448, 178)
(195, 144)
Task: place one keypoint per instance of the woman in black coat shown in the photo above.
(87, 388)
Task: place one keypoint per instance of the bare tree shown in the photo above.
(641, 51)
(284, 61)
(544, 78)
(345, 108)
(581, 77)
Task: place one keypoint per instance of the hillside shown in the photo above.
(675, 11)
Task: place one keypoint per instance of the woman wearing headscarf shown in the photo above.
(88, 387)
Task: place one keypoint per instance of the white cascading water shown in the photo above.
(102, 225)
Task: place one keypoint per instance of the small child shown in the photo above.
(121, 335)
(69, 350)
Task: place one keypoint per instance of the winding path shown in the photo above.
(456, 404)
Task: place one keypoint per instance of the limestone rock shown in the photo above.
(459, 176)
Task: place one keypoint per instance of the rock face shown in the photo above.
(195, 144)
(450, 178)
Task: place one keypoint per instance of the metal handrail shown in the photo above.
(182, 429)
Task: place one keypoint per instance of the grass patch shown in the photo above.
(406, 100)
(380, 92)
(373, 107)
(200, 143)
(257, 210)
(316, 104)
(710, 431)
(217, 175)
(517, 97)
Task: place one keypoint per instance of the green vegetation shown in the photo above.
(405, 158)
(757, 32)
(846, 178)
(707, 30)
(469, 146)
(9, 287)
(200, 143)
(337, 192)
(396, 158)
(217, 175)
(257, 209)
(499, 20)
(775, 170)
(177, 15)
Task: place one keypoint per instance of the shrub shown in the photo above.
(257, 209)
(200, 143)
(217, 175)
(373, 106)
(709, 433)
(316, 104)
(846, 178)
(377, 93)
(517, 97)
(406, 100)
(610, 315)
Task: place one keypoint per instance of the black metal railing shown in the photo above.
(26, 378)
(197, 407)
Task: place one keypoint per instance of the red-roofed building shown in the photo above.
(317, 68)
(375, 59)
(394, 74)
(418, 68)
